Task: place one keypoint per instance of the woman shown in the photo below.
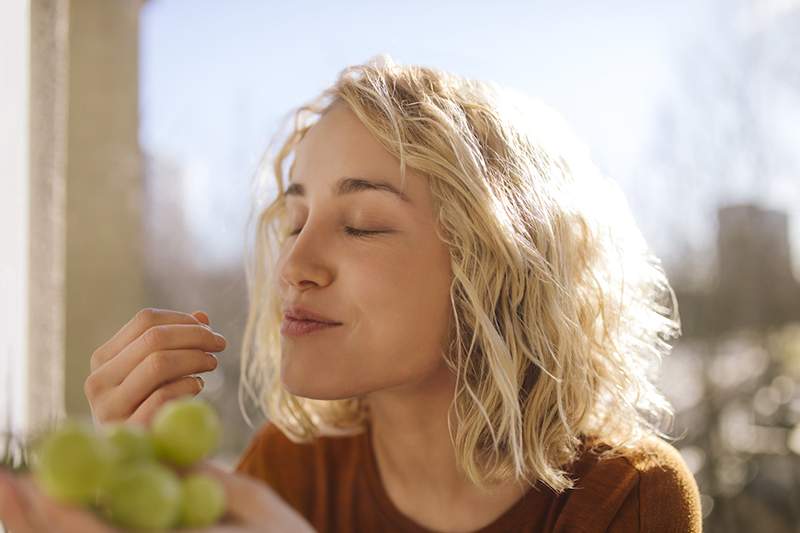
(486, 319)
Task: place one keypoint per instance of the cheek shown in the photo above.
(407, 308)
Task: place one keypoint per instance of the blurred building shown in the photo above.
(730, 379)
(755, 282)
(754, 286)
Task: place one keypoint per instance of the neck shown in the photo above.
(417, 461)
(410, 435)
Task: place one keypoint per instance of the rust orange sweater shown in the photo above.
(335, 483)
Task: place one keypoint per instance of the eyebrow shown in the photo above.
(350, 185)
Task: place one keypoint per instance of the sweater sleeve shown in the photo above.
(666, 500)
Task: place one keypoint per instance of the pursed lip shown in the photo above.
(296, 312)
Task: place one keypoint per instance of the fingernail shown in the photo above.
(219, 338)
(199, 381)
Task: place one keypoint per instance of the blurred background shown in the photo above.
(130, 132)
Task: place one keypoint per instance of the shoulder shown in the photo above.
(661, 465)
(649, 488)
(669, 498)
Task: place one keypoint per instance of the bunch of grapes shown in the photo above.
(135, 477)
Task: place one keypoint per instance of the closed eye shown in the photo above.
(359, 233)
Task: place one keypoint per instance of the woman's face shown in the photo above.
(389, 290)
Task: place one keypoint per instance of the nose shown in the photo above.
(303, 261)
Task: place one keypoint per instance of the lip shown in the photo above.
(297, 328)
(298, 313)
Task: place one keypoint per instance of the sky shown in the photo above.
(215, 77)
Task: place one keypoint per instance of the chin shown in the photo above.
(314, 385)
(316, 392)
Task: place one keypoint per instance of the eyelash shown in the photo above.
(353, 232)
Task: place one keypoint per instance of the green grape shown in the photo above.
(185, 431)
(203, 501)
(144, 495)
(71, 462)
(131, 443)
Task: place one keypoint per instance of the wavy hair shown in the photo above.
(561, 313)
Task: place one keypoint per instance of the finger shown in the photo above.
(34, 511)
(14, 508)
(156, 339)
(202, 317)
(156, 370)
(101, 384)
(141, 322)
(176, 389)
(69, 518)
(253, 502)
(246, 498)
(234, 487)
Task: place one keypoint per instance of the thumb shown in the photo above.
(202, 317)
(68, 516)
(15, 509)
(252, 502)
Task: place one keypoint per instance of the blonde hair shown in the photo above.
(561, 312)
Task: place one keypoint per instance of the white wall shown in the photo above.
(14, 206)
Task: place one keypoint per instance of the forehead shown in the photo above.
(339, 146)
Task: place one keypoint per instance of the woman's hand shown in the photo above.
(25, 509)
(252, 506)
(148, 362)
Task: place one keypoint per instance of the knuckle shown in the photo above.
(101, 413)
(160, 396)
(157, 364)
(146, 315)
(175, 389)
(90, 386)
(154, 337)
(93, 360)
